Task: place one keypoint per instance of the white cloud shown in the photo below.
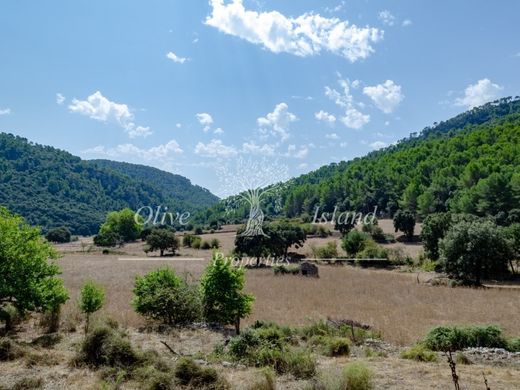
(253, 148)
(5, 111)
(218, 131)
(406, 23)
(278, 121)
(386, 96)
(387, 18)
(60, 99)
(178, 125)
(175, 58)
(478, 94)
(355, 119)
(101, 109)
(131, 151)
(305, 35)
(378, 145)
(215, 148)
(299, 153)
(343, 144)
(205, 120)
(332, 136)
(325, 117)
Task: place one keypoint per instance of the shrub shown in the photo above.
(404, 221)
(187, 240)
(265, 379)
(453, 338)
(59, 235)
(300, 363)
(373, 251)
(91, 300)
(9, 350)
(354, 242)
(104, 346)
(198, 230)
(419, 353)
(189, 373)
(205, 245)
(337, 346)
(162, 295)
(513, 345)
(460, 358)
(282, 269)
(197, 242)
(327, 251)
(357, 376)
(214, 243)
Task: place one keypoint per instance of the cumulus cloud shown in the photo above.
(406, 23)
(253, 148)
(386, 17)
(332, 136)
(305, 35)
(131, 151)
(98, 107)
(378, 145)
(386, 96)
(175, 58)
(324, 116)
(215, 148)
(205, 120)
(355, 119)
(478, 94)
(60, 99)
(218, 131)
(299, 153)
(5, 111)
(278, 121)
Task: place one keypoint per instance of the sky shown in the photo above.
(194, 86)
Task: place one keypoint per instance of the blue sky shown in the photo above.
(188, 86)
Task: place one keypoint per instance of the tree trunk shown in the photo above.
(162, 253)
(258, 262)
(237, 326)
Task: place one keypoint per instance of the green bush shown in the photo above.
(282, 269)
(214, 243)
(59, 235)
(513, 345)
(104, 346)
(357, 376)
(265, 379)
(327, 251)
(373, 251)
(189, 373)
(162, 295)
(337, 346)
(205, 245)
(92, 297)
(196, 243)
(454, 338)
(354, 242)
(300, 363)
(419, 353)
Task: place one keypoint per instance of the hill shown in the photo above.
(470, 163)
(51, 187)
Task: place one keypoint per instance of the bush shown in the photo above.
(460, 358)
(354, 242)
(404, 221)
(419, 353)
(59, 235)
(265, 379)
(300, 363)
(332, 346)
(91, 300)
(205, 245)
(189, 373)
(513, 345)
(162, 295)
(453, 338)
(104, 346)
(197, 242)
(327, 251)
(282, 269)
(214, 243)
(198, 230)
(357, 376)
(9, 350)
(373, 251)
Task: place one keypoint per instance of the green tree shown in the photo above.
(256, 246)
(475, 250)
(286, 235)
(121, 224)
(162, 240)
(434, 228)
(354, 242)
(162, 295)
(28, 280)
(223, 299)
(404, 221)
(54, 296)
(92, 298)
(513, 233)
(59, 235)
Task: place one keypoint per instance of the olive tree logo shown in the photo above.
(255, 183)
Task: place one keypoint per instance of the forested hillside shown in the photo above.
(469, 164)
(51, 188)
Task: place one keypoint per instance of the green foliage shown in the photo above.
(471, 251)
(162, 240)
(373, 251)
(189, 373)
(214, 243)
(434, 228)
(419, 353)
(332, 345)
(357, 376)
(92, 298)
(354, 242)
(327, 251)
(404, 221)
(455, 338)
(222, 293)
(513, 345)
(28, 280)
(205, 245)
(162, 295)
(59, 235)
(282, 269)
(124, 224)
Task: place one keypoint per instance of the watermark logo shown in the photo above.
(160, 215)
(257, 183)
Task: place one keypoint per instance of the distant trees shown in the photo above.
(354, 242)
(162, 295)
(223, 298)
(91, 299)
(119, 227)
(59, 235)
(28, 279)
(474, 250)
(404, 221)
(162, 240)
